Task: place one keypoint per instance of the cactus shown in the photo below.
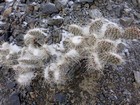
(111, 58)
(75, 29)
(105, 45)
(93, 62)
(112, 33)
(95, 26)
(131, 33)
(96, 43)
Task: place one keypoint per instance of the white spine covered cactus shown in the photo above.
(96, 43)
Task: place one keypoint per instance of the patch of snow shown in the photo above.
(25, 78)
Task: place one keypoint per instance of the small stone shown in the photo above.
(76, 7)
(61, 3)
(137, 15)
(32, 94)
(11, 85)
(70, 3)
(14, 99)
(7, 12)
(139, 3)
(60, 98)
(135, 2)
(30, 8)
(49, 8)
(109, 7)
(59, 6)
(86, 5)
(95, 13)
(126, 21)
(56, 21)
(137, 76)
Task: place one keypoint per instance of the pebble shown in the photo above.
(109, 7)
(95, 13)
(7, 12)
(126, 21)
(139, 3)
(11, 85)
(135, 2)
(14, 99)
(49, 8)
(70, 3)
(62, 2)
(137, 15)
(32, 94)
(56, 21)
(61, 98)
(137, 76)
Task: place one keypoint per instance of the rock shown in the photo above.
(137, 15)
(7, 12)
(70, 3)
(14, 99)
(76, 7)
(11, 85)
(137, 76)
(60, 98)
(61, 3)
(134, 2)
(86, 5)
(118, 10)
(33, 95)
(30, 8)
(49, 8)
(95, 13)
(139, 3)
(109, 7)
(83, 1)
(126, 21)
(57, 20)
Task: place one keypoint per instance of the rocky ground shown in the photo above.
(118, 85)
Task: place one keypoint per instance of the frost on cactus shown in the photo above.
(95, 44)
(8, 54)
(35, 34)
(93, 62)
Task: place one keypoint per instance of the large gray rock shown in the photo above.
(49, 8)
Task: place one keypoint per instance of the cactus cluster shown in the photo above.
(96, 43)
